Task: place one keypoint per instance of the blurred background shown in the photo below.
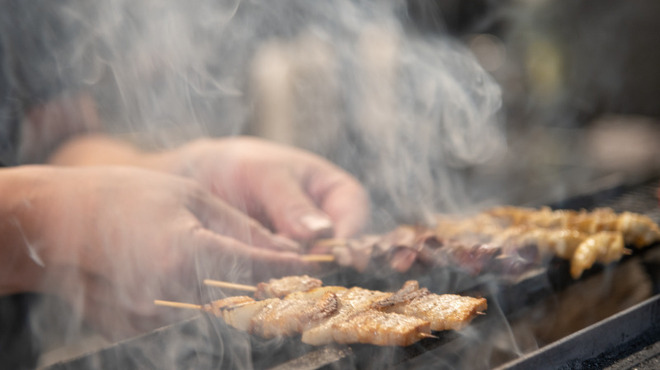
(435, 105)
(580, 88)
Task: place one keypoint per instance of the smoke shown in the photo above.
(351, 80)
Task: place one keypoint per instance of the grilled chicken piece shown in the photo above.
(604, 247)
(274, 317)
(237, 311)
(544, 217)
(442, 311)
(286, 317)
(277, 288)
(357, 322)
(409, 291)
(316, 293)
(377, 327)
(473, 230)
(638, 230)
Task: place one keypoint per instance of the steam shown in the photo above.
(348, 79)
(351, 80)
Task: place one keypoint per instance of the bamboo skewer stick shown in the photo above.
(318, 258)
(332, 242)
(189, 306)
(224, 284)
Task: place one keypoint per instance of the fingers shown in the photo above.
(226, 220)
(224, 256)
(291, 211)
(319, 202)
(343, 199)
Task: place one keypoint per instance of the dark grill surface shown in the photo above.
(630, 339)
(627, 340)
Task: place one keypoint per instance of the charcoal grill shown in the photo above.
(630, 338)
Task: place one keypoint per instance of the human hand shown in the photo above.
(110, 240)
(296, 193)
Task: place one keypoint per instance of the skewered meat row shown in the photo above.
(582, 237)
(582, 249)
(510, 240)
(336, 314)
(431, 250)
(637, 230)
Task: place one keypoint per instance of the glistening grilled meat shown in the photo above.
(423, 241)
(357, 322)
(508, 240)
(274, 317)
(583, 237)
(277, 288)
(336, 314)
(637, 230)
(443, 312)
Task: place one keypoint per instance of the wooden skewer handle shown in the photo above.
(318, 257)
(189, 306)
(224, 284)
(328, 243)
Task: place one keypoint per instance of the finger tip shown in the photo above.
(317, 224)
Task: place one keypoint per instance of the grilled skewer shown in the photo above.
(336, 314)
(507, 239)
(637, 230)
(582, 237)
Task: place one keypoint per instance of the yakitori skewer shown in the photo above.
(325, 315)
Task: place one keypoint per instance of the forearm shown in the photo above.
(21, 267)
(96, 149)
(104, 150)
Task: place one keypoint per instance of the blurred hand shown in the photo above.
(110, 240)
(293, 192)
(296, 193)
